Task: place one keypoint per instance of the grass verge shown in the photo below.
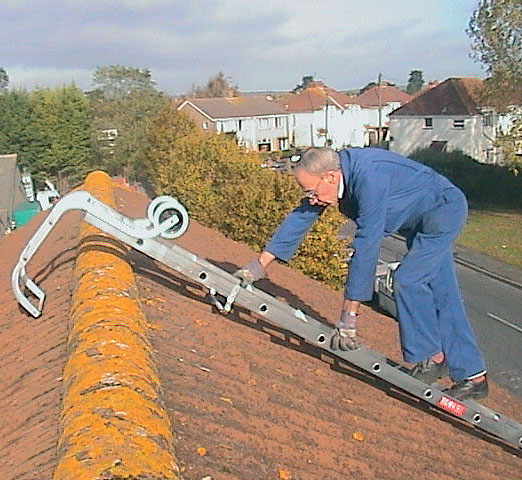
(498, 234)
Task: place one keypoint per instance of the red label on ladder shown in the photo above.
(452, 406)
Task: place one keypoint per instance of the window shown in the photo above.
(428, 122)
(204, 125)
(264, 122)
(439, 145)
(283, 143)
(264, 145)
(108, 135)
(458, 123)
(487, 119)
(279, 122)
(239, 125)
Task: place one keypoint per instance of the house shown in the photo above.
(376, 105)
(448, 116)
(258, 122)
(320, 116)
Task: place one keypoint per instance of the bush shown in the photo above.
(223, 187)
(322, 255)
(484, 185)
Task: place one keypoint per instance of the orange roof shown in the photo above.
(229, 107)
(244, 400)
(454, 96)
(315, 97)
(382, 95)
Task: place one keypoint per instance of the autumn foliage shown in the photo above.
(223, 187)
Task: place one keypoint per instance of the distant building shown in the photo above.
(15, 205)
(376, 105)
(258, 122)
(107, 139)
(319, 116)
(448, 116)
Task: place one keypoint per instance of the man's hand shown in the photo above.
(251, 273)
(345, 339)
(345, 333)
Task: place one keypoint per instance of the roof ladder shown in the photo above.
(167, 219)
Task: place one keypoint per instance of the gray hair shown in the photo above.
(318, 160)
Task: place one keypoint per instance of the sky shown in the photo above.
(259, 45)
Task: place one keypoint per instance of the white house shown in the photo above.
(258, 122)
(447, 117)
(320, 116)
(376, 105)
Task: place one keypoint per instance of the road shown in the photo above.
(495, 311)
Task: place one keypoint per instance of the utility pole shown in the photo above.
(326, 121)
(379, 129)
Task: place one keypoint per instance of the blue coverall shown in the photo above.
(386, 193)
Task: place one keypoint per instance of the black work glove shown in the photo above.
(251, 273)
(345, 334)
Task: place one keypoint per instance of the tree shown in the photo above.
(16, 132)
(367, 87)
(50, 131)
(124, 100)
(307, 80)
(165, 131)
(116, 80)
(495, 29)
(209, 172)
(218, 85)
(4, 79)
(415, 82)
(61, 124)
(71, 149)
(370, 85)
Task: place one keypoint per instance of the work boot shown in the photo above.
(428, 371)
(467, 388)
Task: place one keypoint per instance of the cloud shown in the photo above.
(268, 44)
(28, 78)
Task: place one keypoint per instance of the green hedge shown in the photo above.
(223, 187)
(484, 185)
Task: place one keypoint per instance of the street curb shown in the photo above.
(487, 272)
(113, 423)
(461, 252)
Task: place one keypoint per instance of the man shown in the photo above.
(385, 193)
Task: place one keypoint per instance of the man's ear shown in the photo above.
(331, 176)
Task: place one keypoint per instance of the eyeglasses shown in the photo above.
(310, 194)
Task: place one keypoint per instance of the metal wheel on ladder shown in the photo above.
(164, 207)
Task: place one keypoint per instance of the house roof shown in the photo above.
(382, 95)
(229, 107)
(34, 352)
(453, 96)
(245, 399)
(315, 97)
